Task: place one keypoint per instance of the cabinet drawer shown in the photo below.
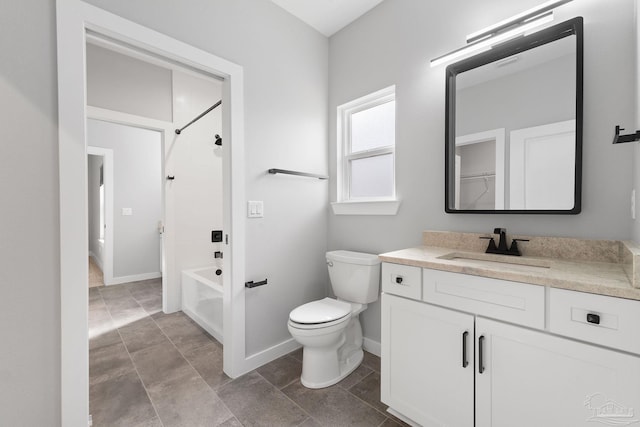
(603, 320)
(403, 280)
(513, 302)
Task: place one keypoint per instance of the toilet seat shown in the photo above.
(320, 313)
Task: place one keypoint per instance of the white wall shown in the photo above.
(29, 247)
(393, 44)
(93, 187)
(196, 162)
(285, 75)
(137, 180)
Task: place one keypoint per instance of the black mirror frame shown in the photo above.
(571, 27)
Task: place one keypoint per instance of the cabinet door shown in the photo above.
(532, 379)
(423, 376)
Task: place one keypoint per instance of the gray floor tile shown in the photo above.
(310, 422)
(297, 354)
(126, 315)
(231, 422)
(121, 303)
(145, 287)
(389, 422)
(282, 371)
(371, 361)
(188, 401)
(183, 332)
(120, 401)
(114, 292)
(96, 302)
(100, 322)
(334, 406)
(369, 390)
(142, 334)
(256, 402)
(207, 360)
(160, 363)
(108, 362)
(355, 377)
(187, 384)
(154, 422)
(152, 304)
(104, 339)
(94, 293)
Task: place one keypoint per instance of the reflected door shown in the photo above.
(542, 167)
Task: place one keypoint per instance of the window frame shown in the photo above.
(385, 205)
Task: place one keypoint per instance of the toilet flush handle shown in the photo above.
(330, 263)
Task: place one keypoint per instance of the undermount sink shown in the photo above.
(492, 260)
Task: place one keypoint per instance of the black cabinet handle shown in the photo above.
(465, 362)
(399, 280)
(480, 354)
(593, 318)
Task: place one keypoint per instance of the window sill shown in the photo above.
(388, 207)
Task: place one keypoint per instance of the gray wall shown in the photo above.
(393, 44)
(120, 83)
(285, 71)
(137, 184)
(484, 106)
(29, 247)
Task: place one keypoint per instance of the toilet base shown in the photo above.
(345, 367)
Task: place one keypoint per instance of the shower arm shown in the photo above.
(204, 113)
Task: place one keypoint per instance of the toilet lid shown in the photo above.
(321, 311)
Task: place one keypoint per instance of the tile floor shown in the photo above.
(148, 369)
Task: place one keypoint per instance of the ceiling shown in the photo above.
(327, 16)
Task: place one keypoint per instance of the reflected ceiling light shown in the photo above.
(519, 24)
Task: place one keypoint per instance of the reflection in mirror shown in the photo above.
(514, 126)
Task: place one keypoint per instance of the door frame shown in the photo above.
(74, 19)
(107, 168)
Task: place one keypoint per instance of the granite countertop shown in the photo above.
(593, 266)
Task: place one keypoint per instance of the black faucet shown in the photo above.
(502, 243)
(502, 249)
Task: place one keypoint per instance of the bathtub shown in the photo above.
(202, 299)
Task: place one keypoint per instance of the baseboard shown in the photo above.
(371, 346)
(133, 278)
(272, 353)
(97, 260)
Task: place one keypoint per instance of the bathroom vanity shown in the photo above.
(551, 338)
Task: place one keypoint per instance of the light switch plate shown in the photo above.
(127, 211)
(255, 209)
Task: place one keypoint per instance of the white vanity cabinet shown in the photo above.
(426, 375)
(521, 363)
(530, 378)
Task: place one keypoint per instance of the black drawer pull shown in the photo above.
(399, 280)
(481, 354)
(593, 318)
(465, 362)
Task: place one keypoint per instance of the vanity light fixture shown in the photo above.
(486, 38)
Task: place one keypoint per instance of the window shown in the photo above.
(366, 155)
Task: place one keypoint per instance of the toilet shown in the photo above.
(329, 329)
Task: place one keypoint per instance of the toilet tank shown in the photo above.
(355, 276)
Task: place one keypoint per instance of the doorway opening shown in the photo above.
(77, 22)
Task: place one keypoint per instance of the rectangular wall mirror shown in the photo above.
(514, 126)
